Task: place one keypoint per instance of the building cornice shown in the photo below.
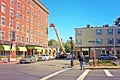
(41, 5)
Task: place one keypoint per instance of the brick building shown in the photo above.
(24, 25)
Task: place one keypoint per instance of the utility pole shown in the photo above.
(94, 52)
(71, 50)
(11, 36)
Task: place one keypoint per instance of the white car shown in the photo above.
(44, 57)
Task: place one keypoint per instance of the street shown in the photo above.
(54, 70)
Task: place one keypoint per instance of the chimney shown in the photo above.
(88, 25)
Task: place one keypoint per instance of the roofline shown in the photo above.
(41, 5)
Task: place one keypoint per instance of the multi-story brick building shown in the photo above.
(25, 24)
(104, 39)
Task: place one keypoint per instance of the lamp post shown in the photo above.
(71, 50)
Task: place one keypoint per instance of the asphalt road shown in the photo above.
(54, 70)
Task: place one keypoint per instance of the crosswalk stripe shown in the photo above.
(51, 75)
(108, 73)
(81, 77)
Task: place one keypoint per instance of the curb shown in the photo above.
(3, 62)
(96, 67)
(103, 67)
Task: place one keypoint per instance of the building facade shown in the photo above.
(104, 39)
(23, 27)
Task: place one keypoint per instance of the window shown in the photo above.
(11, 11)
(3, 21)
(26, 39)
(18, 4)
(78, 42)
(18, 15)
(38, 10)
(98, 41)
(10, 23)
(32, 22)
(118, 31)
(26, 29)
(27, 20)
(11, 2)
(110, 41)
(110, 31)
(118, 41)
(98, 32)
(28, 10)
(32, 4)
(17, 25)
(2, 36)
(28, 1)
(78, 32)
(22, 27)
(13, 35)
(17, 38)
(22, 39)
(3, 8)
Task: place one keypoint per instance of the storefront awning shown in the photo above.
(36, 48)
(30, 47)
(7, 48)
(39, 49)
(21, 48)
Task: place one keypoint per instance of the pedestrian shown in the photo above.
(81, 60)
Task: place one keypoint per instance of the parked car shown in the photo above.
(44, 57)
(63, 56)
(118, 56)
(28, 59)
(107, 57)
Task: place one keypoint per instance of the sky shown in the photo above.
(70, 14)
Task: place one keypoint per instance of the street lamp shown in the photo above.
(71, 50)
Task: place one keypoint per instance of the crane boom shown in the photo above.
(60, 43)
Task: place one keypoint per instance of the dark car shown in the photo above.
(63, 56)
(107, 57)
(118, 56)
(28, 59)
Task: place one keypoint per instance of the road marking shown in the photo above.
(108, 73)
(51, 75)
(81, 77)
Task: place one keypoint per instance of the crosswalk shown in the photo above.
(81, 74)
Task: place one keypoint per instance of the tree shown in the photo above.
(67, 46)
(53, 43)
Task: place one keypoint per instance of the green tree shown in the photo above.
(67, 46)
(53, 43)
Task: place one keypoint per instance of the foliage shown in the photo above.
(106, 63)
(67, 46)
(53, 43)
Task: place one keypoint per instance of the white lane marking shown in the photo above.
(108, 73)
(81, 77)
(51, 75)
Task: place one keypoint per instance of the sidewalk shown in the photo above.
(87, 66)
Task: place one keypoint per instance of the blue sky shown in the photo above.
(70, 14)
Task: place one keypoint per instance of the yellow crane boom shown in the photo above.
(60, 43)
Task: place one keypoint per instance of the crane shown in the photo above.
(60, 43)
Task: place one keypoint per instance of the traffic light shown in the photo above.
(11, 43)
